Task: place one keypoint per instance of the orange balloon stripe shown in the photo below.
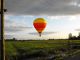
(40, 21)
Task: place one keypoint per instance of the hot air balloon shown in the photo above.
(39, 25)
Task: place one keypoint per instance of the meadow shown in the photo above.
(41, 49)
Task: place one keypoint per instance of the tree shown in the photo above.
(78, 36)
(14, 39)
(70, 35)
(74, 37)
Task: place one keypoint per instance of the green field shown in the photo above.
(40, 49)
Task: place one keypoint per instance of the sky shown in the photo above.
(62, 16)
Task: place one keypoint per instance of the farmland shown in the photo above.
(41, 49)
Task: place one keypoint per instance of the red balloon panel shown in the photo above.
(39, 26)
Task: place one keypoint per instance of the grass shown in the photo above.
(35, 48)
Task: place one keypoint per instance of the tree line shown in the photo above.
(71, 37)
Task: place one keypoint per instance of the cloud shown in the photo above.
(13, 26)
(77, 29)
(44, 33)
(8, 36)
(75, 3)
(15, 29)
(43, 7)
(67, 17)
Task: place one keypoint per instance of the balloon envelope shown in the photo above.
(39, 25)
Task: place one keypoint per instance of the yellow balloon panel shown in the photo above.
(39, 20)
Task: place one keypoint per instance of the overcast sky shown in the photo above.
(62, 16)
